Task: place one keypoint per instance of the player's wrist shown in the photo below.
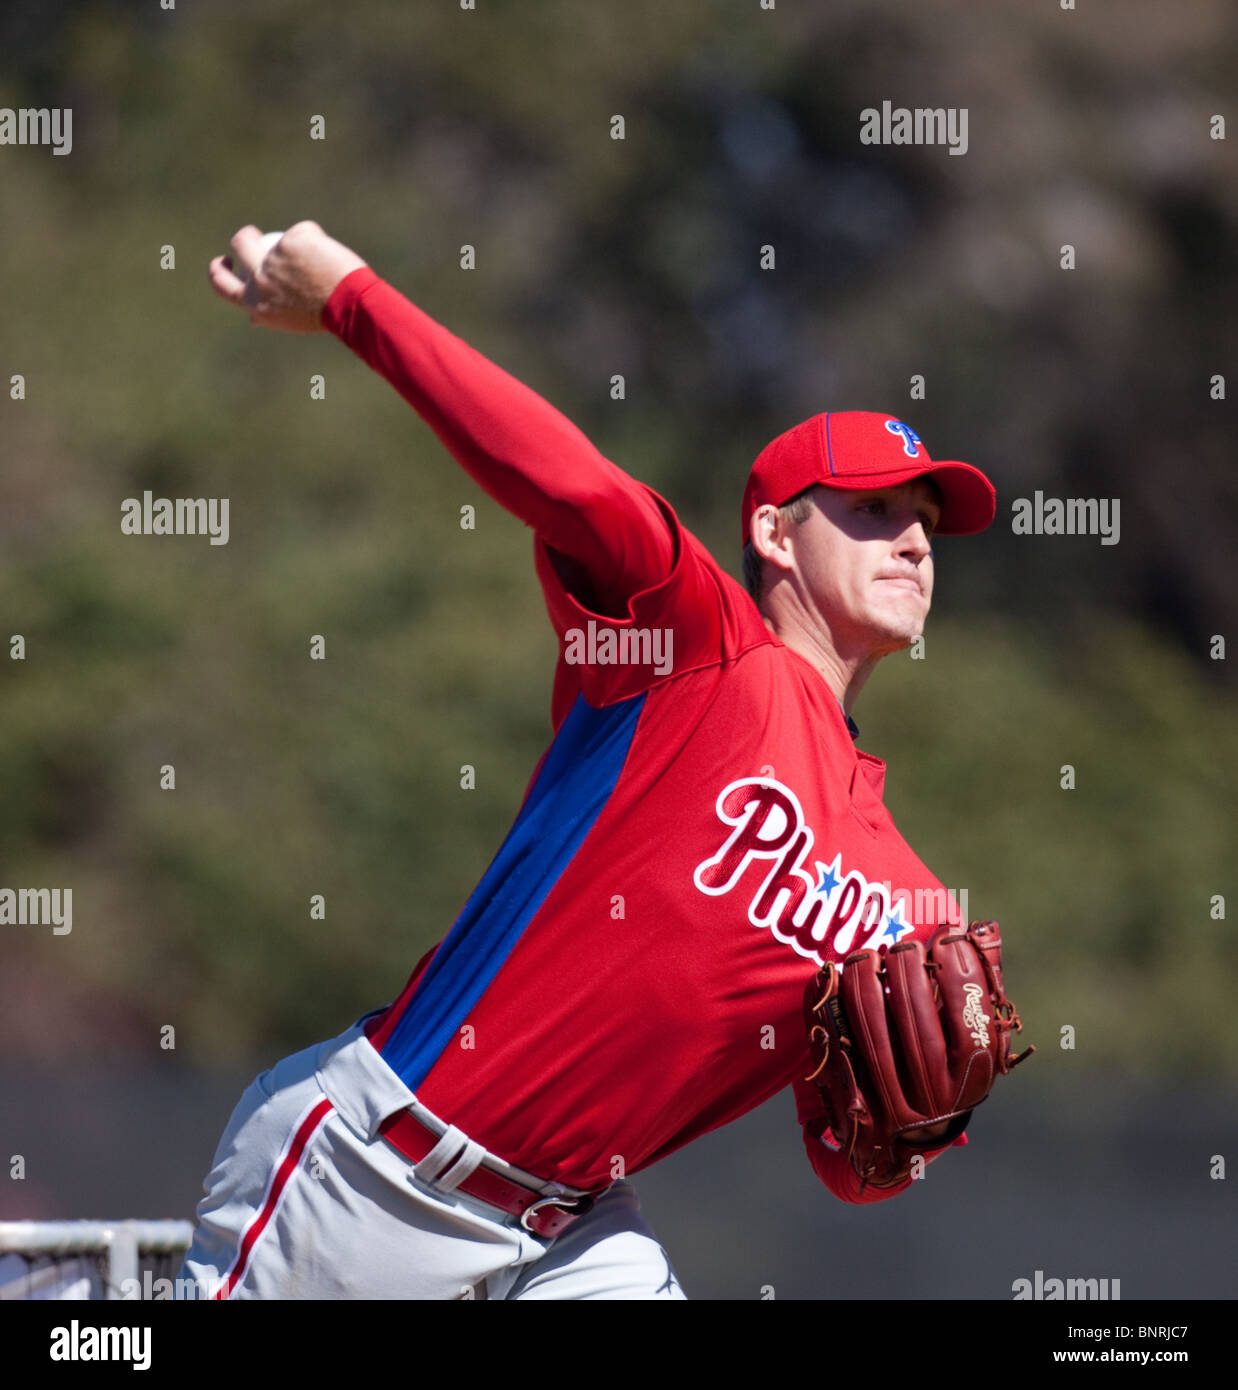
(347, 293)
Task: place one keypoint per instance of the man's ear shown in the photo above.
(771, 532)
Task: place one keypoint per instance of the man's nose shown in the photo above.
(914, 541)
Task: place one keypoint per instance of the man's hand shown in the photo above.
(294, 282)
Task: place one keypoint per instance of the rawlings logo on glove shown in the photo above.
(907, 1043)
(974, 1015)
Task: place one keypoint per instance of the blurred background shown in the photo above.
(640, 257)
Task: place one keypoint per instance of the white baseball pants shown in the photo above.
(306, 1200)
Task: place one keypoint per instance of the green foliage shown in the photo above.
(1103, 891)
(595, 256)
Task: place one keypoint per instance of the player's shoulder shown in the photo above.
(741, 618)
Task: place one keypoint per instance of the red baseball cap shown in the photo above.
(863, 450)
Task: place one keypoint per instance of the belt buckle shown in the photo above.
(577, 1206)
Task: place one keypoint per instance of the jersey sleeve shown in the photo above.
(696, 617)
(526, 455)
(829, 1162)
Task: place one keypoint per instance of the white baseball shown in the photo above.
(264, 247)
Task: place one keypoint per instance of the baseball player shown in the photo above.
(655, 949)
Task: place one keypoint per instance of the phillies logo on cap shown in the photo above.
(911, 440)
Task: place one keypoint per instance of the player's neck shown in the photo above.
(844, 672)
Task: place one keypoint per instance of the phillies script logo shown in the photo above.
(818, 914)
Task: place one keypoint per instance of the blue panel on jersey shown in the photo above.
(581, 769)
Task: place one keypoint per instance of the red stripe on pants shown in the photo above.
(258, 1221)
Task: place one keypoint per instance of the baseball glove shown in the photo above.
(907, 1043)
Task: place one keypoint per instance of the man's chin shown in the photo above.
(897, 637)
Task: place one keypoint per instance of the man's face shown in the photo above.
(865, 565)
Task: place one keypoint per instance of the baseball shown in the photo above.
(264, 248)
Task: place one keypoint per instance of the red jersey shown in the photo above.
(700, 836)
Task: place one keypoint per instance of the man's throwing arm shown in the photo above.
(525, 454)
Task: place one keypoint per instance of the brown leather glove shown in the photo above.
(907, 1041)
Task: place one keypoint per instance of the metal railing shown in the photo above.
(113, 1251)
